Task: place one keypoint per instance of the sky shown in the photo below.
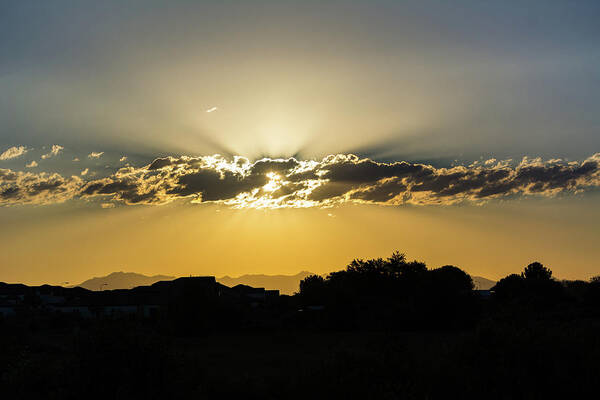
(234, 137)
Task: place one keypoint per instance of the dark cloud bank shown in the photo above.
(275, 183)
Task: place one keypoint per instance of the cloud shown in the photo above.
(336, 179)
(124, 158)
(85, 171)
(212, 109)
(55, 150)
(43, 188)
(276, 183)
(96, 155)
(32, 164)
(107, 205)
(76, 159)
(13, 152)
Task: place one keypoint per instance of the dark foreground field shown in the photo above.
(380, 329)
(547, 358)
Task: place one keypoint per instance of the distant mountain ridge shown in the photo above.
(481, 283)
(286, 284)
(122, 280)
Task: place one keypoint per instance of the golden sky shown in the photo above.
(62, 244)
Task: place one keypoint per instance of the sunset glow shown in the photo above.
(180, 138)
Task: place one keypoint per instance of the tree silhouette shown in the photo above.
(312, 289)
(509, 287)
(534, 288)
(391, 292)
(451, 278)
(399, 266)
(592, 295)
(537, 271)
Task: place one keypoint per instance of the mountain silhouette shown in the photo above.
(286, 284)
(122, 280)
(481, 283)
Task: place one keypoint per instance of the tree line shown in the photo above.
(397, 293)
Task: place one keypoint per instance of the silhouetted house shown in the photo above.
(271, 295)
(150, 301)
(7, 309)
(47, 299)
(250, 292)
(15, 292)
(140, 302)
(10, 299)
(11, 288)
(199, 286)
(84, 311)
(255, 296)
(89, 304)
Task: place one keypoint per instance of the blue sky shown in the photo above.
(419, 80)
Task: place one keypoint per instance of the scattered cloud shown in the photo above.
(285, 183)
(13, 152)
(17, 187)
(55, 150)
(32, 164)
(95, 155)
(85, 171)
(124, 158)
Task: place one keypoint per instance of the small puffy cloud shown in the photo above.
(32, 164)
(85, 171)
(13, 152)
(53, 152)
(76, 159)
(124, 158)
(95, 155)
